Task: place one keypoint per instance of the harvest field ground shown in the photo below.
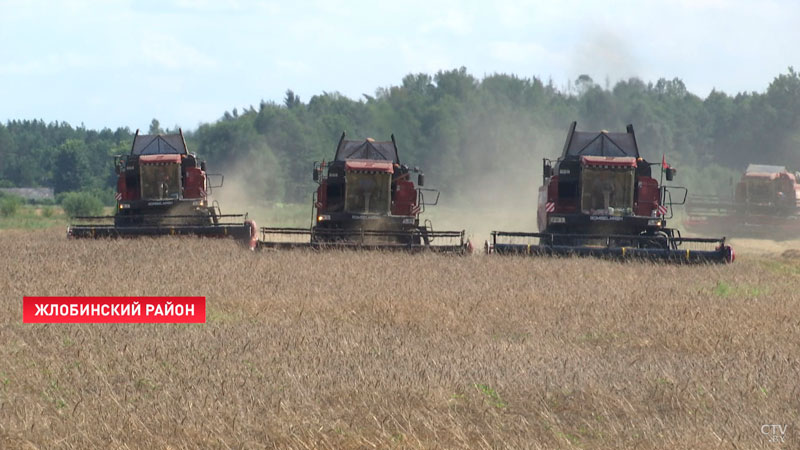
(305, 349)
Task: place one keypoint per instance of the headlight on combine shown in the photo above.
(124, 205)
(558, 220)
(654, 223)
(323, 217)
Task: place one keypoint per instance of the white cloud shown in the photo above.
(519, 52)
(51, 64)
(455, 21)
(293, 66)
(170, 53)
(707, 4)
(210, 5)
(420, 56)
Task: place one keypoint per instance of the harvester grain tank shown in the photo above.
(366, 199)
(163, 190)
(600, 199)
(765, 203)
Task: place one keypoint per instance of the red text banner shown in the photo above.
(113, 309)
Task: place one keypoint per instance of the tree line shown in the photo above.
(466, 133)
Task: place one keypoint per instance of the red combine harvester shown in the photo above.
(162, 189)
(600, 199)
(766, 203)
(367, 200)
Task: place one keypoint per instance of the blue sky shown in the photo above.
(185, 62)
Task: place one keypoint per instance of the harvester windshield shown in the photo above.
(760, 190)
(368, 192)
(161, 180)
(607, 191)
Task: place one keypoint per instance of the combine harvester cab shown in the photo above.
(163, 190)
(367, 200)
(765, 203)
(600, 199)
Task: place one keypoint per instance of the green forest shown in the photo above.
(475, 138)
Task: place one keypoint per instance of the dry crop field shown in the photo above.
(363, 350)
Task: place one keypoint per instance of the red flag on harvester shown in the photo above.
(664, 164)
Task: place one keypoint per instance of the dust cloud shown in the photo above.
(498, 188)
(251, 185)
(604, 53)
(761, 241)
(234, 197)
(494, 186)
